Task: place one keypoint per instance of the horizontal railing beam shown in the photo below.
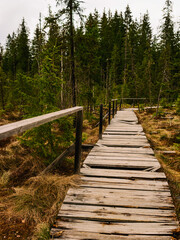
(16, 128)
(134, 98)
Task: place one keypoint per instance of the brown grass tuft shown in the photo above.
(164, 135)
(40, 198)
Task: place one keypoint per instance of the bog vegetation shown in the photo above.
(106, 56)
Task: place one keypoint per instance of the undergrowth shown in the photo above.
(30, 201)
(164, 136)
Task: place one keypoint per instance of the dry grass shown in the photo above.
(29, 202)
(41, 196)
(163, 135)
(37, 201)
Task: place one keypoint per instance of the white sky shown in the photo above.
(12, 11)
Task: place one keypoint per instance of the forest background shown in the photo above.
(113, 56)
(105, 57)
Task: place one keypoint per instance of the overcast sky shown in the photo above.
(12, 11)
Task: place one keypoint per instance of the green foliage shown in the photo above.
(84, 136)
(108, 56)
(178, 105)
(48, 140)
(165, 103)
(141, 107)
(159, 114)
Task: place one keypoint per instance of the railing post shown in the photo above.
(120, 104)
(113, 109)
(116, 106)
(101, 121)
(109, 119)
(78, 143)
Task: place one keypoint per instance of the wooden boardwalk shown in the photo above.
(122, 195)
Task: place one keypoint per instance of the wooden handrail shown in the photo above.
(133, 98)
(11, 129)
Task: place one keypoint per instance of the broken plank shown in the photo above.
(104, 163)
(129, 133)
(127, 174)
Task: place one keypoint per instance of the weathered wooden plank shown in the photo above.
(139, 137)
(81, 235)
(151, 182)
(135, 131)
(120, 198)
(123, 144)
(115, 214)
(124, 184)
(129, 156)
(103, 156)
(113, 163)
(129, 133)
(18, 127)
(126, 174)
(118, 228)
(120, 125)
(124, 141)
(122, 193)
(148, 215)
(105, 149)
(111, 217)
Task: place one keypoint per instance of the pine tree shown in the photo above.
(23, 51)
(2, 81)
(10, 56)
(71, 7)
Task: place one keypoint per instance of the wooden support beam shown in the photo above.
(78, 143)
(100, 121)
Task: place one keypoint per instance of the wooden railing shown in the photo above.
(108, 114)
(16, 128)
(134, 101)
(113, 111)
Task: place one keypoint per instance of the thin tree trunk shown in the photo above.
(2, 95)
(73, 81)
(62, 79)
(125, 67)
(133, 71)
(149, 81)
(159, 96)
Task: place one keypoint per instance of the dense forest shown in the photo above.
(108, 56)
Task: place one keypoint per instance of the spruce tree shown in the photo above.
(23, 51)
(71, 7)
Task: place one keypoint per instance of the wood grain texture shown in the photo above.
(117, 228)
(18, 127)
(120, 195)
(81, 235)
(126, 174)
